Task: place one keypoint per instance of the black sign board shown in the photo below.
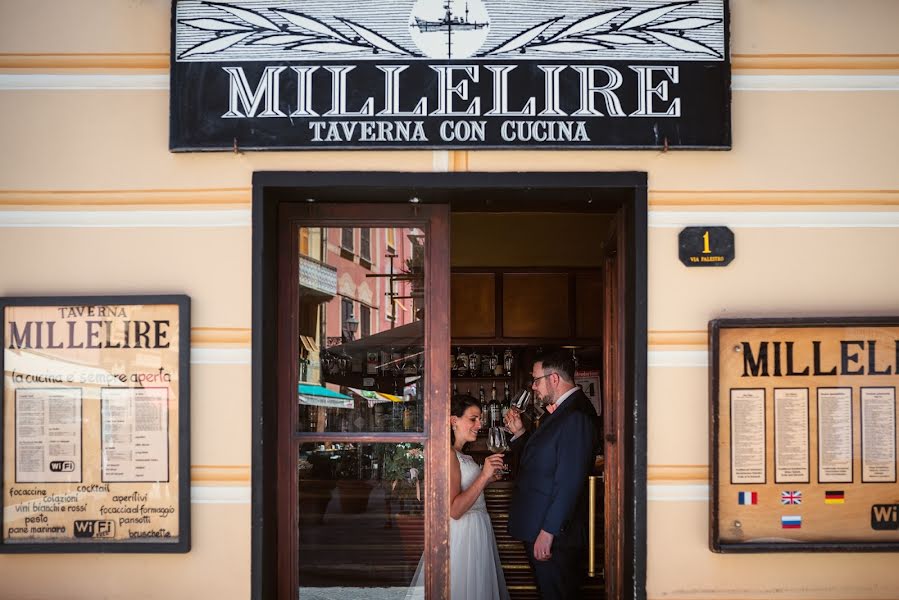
(286, 74)
(706, 246)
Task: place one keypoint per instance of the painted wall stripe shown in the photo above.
(696, 492)
(444, 161)
(815, 83)
(243, 356)
(745, 218)
(125, 218)
(776, 219)
(220, 494)
(161, 60)
(655, 493)
(80, 81)
(743, 83)
(220, 356)
(678, 358)
(94, 199)
(848, 199)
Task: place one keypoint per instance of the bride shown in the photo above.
(475, 571)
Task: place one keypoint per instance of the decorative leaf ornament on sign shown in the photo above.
(461, 28)
(614, 60)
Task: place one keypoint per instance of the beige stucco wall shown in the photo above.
(804, 147)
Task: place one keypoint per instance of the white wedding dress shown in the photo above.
(475, 570)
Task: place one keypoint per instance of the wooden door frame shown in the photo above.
(546, 192)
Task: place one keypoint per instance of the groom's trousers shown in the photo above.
(560, 577)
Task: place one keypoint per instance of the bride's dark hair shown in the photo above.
(459, 403)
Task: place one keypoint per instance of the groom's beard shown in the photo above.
(549, 398)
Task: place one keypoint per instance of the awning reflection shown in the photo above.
(313, 394)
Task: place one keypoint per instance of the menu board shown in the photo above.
(804, 434)
(95, 435)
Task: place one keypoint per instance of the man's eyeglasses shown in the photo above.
(536, 379)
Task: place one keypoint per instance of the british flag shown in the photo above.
(794, 497)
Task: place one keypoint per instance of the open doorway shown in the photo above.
(490, 243)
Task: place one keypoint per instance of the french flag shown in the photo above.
(747, 497)
(791, 522)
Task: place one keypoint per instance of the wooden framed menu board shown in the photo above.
(804, 435)
(95, 424)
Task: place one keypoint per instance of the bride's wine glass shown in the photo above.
(498, 443)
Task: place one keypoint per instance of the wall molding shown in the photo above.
(678, 473)
(211, 474)
(241, 494)
(678, 493)
(834, 219)
(220, 356)
(773, 198)
(794, 82)
(83, 81)
(218, 336)
(829, 62)
(85, 60)
(678, 358)
(739, 61)
(447, 161)
(815, 83)
(124, 218)
(224, 218)
(676, 337)
(97, 198)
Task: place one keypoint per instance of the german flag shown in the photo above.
(834, 497)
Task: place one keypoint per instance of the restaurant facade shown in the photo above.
(250, 250)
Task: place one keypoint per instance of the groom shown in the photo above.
(549, 506)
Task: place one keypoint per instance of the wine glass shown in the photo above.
(498, 443)
(523, 400)
(520, 405)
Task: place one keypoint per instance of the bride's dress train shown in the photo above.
(475, 571)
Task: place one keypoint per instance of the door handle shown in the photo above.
(591, 551)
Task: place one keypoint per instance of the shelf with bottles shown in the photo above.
(482, 362)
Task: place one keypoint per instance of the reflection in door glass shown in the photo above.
(361, 520)
(361, 334)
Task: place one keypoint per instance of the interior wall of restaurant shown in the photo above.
(92, 202)
(527, 239)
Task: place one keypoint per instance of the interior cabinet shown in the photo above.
(473, 309)
(516, 306)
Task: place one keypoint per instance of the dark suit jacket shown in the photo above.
(555, 461)
(513, 457)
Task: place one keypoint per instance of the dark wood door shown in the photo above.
(614, 347)
(362, 397)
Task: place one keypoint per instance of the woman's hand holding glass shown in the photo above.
(494, 467)
(497, 442)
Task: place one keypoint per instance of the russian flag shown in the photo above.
(791, 522)
(747, 497)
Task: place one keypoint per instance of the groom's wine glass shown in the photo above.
(498, 443)
(522, 401)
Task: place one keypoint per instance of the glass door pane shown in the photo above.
(361, 520)
(361, 333)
